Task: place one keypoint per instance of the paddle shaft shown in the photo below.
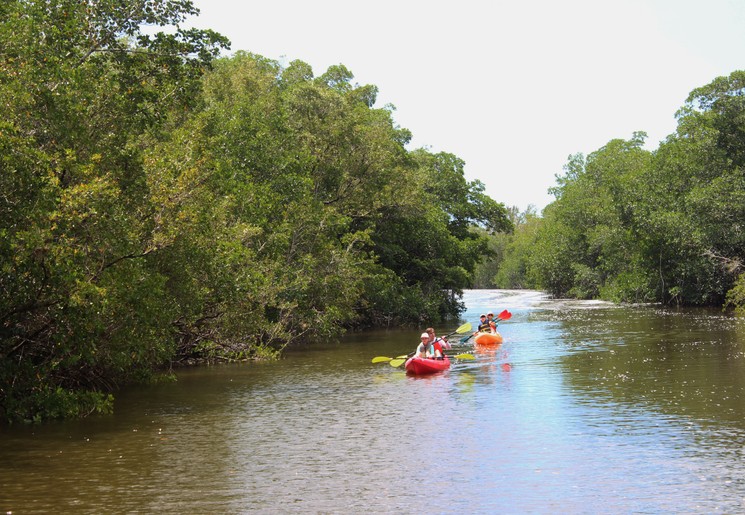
(398, 362)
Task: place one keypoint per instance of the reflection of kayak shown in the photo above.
(421, 366)
(488, 339)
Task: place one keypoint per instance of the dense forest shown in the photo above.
(161, 204)
(634, 225)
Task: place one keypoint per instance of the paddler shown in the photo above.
(492, 322)
(435, 340)
(484, 325)
(426, 349)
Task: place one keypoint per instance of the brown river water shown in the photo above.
(586, 407)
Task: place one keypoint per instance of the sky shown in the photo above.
(511, 87)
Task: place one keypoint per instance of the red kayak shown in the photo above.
(421, 366)
(488, 339)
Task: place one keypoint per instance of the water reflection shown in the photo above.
(585, 408)
(673, 362)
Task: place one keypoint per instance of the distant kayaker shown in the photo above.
(492, 322)
(484, 325)
(425, 349)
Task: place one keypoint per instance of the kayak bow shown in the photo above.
(488, 339)
(421, 366)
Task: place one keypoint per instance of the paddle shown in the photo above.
(465, 355)
(382, 359)
(462, 329)
(464, 340)
(400, 361)
(504, 315)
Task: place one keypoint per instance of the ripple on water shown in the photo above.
(585, 408)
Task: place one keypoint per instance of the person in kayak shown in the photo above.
(484, 325)
(492, 322)
(437, 341)
(427, 349)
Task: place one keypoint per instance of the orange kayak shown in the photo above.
(488, 339)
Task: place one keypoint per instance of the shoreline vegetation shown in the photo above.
(634, 225)
(161, 204)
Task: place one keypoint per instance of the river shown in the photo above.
(586, 407)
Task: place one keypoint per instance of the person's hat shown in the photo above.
(424, 335)
(482, 315)
(490, 313)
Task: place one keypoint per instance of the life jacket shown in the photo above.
(438, 346)
(484, 326)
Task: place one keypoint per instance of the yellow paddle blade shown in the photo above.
(464, 356)
(381, 359)
(398, 362)
(464, 328)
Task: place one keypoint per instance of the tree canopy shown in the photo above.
(162, 204)
(635, 225)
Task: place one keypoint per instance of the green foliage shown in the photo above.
(505, 265)
(492, 261)
(51, 403)
(736, 296)
(84, 91)
(430, 238)
(638, 226)
(632, 285)
(162, 206)
(586, 282)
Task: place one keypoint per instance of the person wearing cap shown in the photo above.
(492, 322)
(426, 349)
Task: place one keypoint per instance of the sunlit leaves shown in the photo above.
(633, 225)
(150, 212)
(82, 94)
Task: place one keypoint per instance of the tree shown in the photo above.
(513, 268)
(699, 181)
(161, 205)
(587, 239)
(428, 237)
(632, 225)
(84, 92)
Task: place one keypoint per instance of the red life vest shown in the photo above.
(438, 347)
